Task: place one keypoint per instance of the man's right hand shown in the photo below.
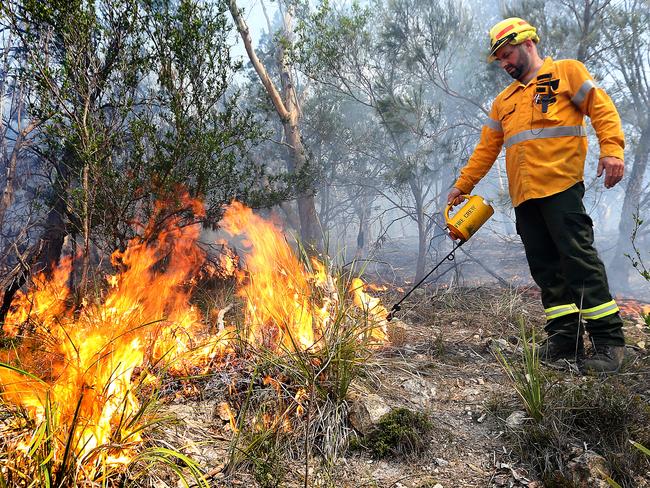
(454, 197)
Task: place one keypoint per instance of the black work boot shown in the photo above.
(605, 358)
(557, 348)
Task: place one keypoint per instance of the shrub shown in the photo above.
(400, 432)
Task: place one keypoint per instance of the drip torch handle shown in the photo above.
(448, 207)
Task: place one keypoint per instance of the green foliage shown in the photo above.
(640, 447)
(134, 99)
(400, 432)
(186, 469)
(529, 382)
(266, 459)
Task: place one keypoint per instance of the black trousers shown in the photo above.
(558, 238)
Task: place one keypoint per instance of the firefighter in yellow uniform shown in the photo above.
(539, 119)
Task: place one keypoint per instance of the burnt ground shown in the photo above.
(440, 362)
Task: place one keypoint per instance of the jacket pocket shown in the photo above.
(508, 117)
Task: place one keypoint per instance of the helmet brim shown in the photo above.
(501, 42)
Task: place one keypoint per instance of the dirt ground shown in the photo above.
(441, 363)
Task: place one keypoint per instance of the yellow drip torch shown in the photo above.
(469, 218)
(462, 225)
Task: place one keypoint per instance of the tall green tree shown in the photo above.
(628, 36)
(132, 99)
(286, 102)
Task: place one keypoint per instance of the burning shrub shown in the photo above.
(85, 406)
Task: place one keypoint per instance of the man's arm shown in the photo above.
(482, 158)
(595, 103)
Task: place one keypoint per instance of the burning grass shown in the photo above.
(80, 387)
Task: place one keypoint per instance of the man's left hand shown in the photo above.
(613, 168)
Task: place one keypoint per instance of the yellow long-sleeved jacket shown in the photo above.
(545, 151)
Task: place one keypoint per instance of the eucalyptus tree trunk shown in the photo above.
(631, 62)
(423, 229)
(286, 106)
(363, 235)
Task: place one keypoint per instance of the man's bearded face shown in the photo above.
(514, 60)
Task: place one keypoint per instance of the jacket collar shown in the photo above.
(546, 67)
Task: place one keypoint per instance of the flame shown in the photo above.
(47, 299)
(91, 358)
(374, 287)
(372, 307)
(93, 353)
(228, 261)
(278, 297)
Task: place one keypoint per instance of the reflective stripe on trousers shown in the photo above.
(560, 311)
(593, 313)
(602, 310)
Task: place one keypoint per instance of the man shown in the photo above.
(539, 119)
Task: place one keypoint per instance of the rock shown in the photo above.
(516, 419)
(420, 391)
(588, 469)
(365, 412)
(498, 345)
(441, 462)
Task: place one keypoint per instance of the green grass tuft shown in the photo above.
(528, 381)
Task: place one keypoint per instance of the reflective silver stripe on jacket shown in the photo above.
(579, 97)
(493, 124)
(545, 133)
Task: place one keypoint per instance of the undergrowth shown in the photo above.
(602, 417)
(293, 406)
(400, 432)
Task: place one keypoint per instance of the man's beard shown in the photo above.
(519, 69)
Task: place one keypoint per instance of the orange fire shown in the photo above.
(91, 357)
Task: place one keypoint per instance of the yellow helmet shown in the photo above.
(510, 31)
